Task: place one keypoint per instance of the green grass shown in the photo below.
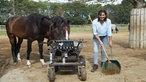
(76, 28)
(88, 28)
(123, 27)
(3, 33)
(2, 30)
(81, 28)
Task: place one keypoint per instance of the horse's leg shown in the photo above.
(29, 49)
(48, 44)
(12, 39)
(66, 34)
(18, 48)
(40, 45)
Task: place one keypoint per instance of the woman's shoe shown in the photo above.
(95, 67)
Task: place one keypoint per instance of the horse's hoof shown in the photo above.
(28, 63)
(44, 65)
(29, 66)
(19, 60)
(15, 63)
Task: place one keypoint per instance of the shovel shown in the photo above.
(110, 67)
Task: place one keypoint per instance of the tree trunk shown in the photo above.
(138, 3)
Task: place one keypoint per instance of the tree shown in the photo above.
(76, 12)
(4, 10)
(26, 7)
(137, 3)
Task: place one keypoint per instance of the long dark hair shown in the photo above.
(102, 11)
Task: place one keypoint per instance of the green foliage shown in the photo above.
(76, 12)
(26, 7)
(119, 14)
(124, 11)
(4, 10)
(93, 10)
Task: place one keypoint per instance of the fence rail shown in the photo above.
(2, 27)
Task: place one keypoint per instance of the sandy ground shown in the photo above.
(133, 62)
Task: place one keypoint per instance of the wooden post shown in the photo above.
(138, 28)
(134, 28)
(141, 29)
(131, 35)
(144, 28)
(137, 35)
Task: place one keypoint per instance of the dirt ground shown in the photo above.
(133, 62)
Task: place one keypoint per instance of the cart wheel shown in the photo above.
(51, 74)
(56, 68)
(82, 73)
(82, 60)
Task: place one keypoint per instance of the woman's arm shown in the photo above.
(100, 42)
(110, 41)
(109, 33)
(94, 30)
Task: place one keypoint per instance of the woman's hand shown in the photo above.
(110, 41)
(100, 43)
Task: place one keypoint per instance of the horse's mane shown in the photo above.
(38, 18)
(58, 21)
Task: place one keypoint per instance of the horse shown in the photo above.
(32, 27)
(114, 27)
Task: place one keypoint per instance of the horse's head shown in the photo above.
(60, 29)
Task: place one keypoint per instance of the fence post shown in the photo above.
(137, 35)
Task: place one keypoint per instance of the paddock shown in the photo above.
(133, 61)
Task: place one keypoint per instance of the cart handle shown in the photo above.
(81, 41)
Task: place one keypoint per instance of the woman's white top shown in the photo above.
(101, 30)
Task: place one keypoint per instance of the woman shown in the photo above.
(101, 27)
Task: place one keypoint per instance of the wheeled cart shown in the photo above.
(65, 56)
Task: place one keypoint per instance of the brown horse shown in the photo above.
(32, 27)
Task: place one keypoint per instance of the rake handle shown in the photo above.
(106, 54)
(111, 50)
